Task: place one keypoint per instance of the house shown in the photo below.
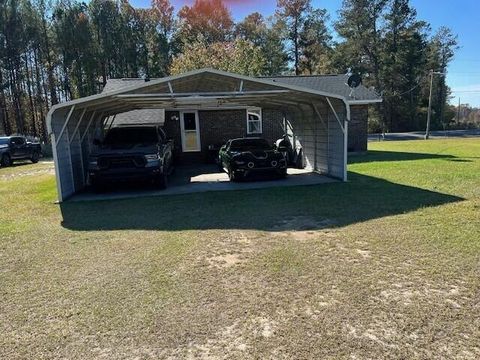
(203, 108)
(216, 126)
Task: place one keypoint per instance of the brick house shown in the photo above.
(196, 132)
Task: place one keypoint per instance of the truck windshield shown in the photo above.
(249, 144)
(131, 136)
(3, 141)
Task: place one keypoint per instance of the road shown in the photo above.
(417, 135)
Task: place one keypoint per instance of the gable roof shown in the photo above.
(133, 117)
(336, 84)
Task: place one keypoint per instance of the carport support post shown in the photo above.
(57, 167)
(345, 141)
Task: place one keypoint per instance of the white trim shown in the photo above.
(197, 129)
(249, 108)
(364, 102)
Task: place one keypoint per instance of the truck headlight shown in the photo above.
(152, 157)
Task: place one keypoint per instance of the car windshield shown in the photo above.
(131, 136)
(4, 141)
(249, 144)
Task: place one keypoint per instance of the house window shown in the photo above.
(254, 121)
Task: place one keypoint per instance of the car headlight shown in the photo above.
(93, 162)
(152, 157)
(239, 162)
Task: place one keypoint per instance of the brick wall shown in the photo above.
(218, 126)
(358, 128)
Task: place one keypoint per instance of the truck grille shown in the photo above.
(124, 162)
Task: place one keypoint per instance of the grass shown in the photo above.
(384, 266)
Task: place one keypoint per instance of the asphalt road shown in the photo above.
(420, 135)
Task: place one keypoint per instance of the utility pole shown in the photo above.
(458, 111)
(429, 115)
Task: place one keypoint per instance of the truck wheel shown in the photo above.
(35, 157)
(161, 181)
(98, 186)
(6, 160)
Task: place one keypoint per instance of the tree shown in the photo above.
(268, 37)
(293, 13)
(206, 20)
(239, 56)
(403, 66)
(441, 51)
(359, 28)
(315, 43)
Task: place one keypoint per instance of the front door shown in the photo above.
(190, 131)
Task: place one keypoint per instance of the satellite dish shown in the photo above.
(354, 81)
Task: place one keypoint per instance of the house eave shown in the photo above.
(364, 102)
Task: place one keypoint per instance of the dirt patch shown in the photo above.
(24, 170)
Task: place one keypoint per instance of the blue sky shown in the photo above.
(462, 16)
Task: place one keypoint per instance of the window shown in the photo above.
(18, 141)
(254, 121)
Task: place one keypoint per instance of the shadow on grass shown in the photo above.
(377, 155)
(327, 205)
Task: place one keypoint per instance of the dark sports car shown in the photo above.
(245, 156)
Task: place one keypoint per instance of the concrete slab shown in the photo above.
(203, 178)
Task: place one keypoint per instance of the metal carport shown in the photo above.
(319, 119)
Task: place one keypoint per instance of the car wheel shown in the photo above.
(161, 181)
(232, 175)
(6, 160)
(283, 174)
(35, 157)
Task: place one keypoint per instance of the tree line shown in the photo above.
(56, 51)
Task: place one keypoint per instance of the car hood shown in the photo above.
(125, 150)
(258, 154)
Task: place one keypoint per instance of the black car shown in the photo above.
(18, 148)
(245, 156)
(131, 153)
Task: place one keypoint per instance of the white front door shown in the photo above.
(190, 129)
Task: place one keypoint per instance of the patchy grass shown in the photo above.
(384, 266)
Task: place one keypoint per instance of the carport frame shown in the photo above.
(111, 103)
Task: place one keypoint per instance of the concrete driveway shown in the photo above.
(202, 178)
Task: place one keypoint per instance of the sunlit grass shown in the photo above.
(384, 266)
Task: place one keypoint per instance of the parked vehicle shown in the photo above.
(18, 148)
(131, 153)
(293, 154)
(245, 156)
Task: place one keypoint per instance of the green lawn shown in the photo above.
(384, 266)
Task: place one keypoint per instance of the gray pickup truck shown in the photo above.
(18, 148)
(131, 153)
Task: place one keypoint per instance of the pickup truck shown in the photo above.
(131, 153)
(18, 148)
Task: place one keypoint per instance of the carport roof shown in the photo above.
(196, 88)
(334, 84)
